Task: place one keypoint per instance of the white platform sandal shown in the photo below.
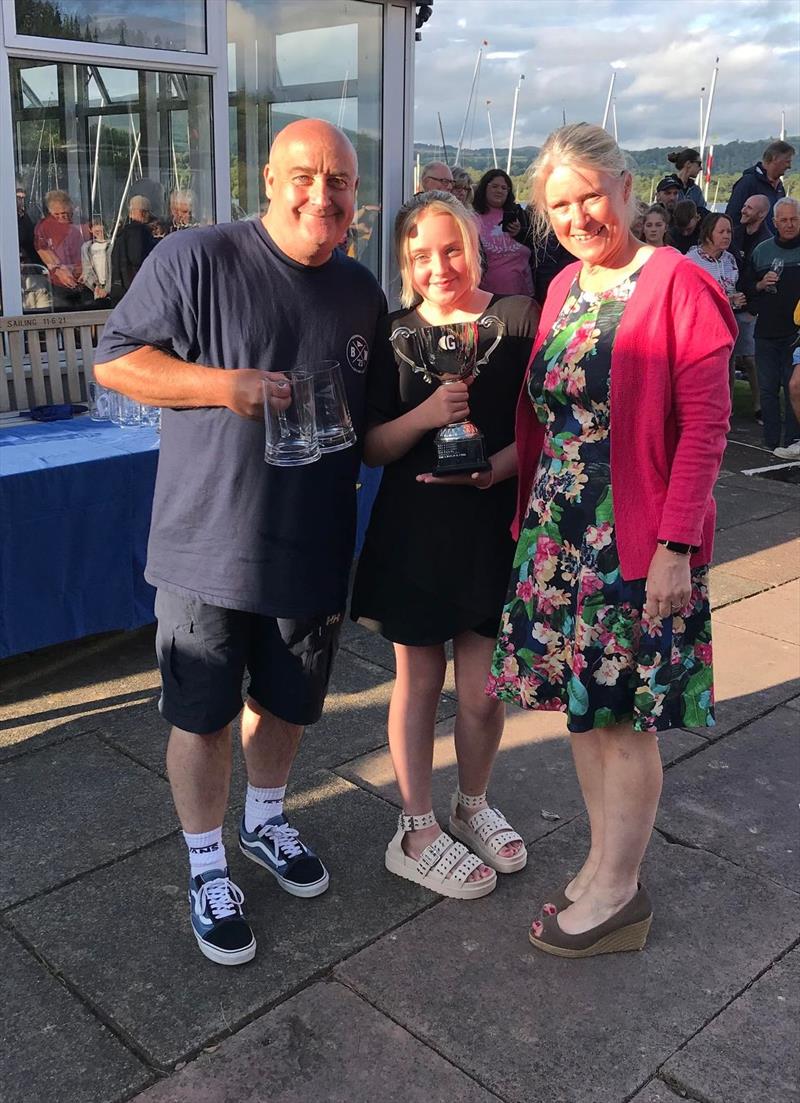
(443, 866)
(486, 833)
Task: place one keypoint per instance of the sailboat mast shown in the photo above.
(608, 98)
(513, 123)
(469, 100)
(491, 133)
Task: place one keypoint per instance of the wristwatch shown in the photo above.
(681, 549)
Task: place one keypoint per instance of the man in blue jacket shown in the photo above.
(764, 178)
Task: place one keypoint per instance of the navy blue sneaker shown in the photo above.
(277, 847)
(222, 932)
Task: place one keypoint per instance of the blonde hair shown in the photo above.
(579, 145)
(434, 202)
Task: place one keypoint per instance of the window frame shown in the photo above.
(397, 91)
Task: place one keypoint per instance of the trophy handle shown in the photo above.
(501, 328)
(405, 332)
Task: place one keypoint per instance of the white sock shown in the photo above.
(206, 851)
(261, 805)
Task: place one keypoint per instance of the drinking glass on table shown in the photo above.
(99, 402)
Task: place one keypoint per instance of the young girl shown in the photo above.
(438, 550)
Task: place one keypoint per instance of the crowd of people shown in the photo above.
(571, 576)
(69, 263)
(758, 211)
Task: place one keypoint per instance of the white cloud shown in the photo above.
(663, 55)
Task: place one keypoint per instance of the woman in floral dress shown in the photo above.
(620, 432)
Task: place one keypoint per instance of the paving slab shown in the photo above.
(327, 1044)
(765, 552)
(739, 798)
(52, 1049)
(658, 1092)
(71, 807)
(576, 1032)
(142, 966)
(67, 690)
(533, 772)
(740, 501)
(752, 674)
(775, 613)
(725, 587)
(794, 704)
(745, 1053)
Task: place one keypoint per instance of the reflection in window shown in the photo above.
(318, 59)
(108, 161)
(156, 24)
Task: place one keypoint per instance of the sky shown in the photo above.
(663, 52)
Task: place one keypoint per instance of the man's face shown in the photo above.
(437, 178)
(787, 222)
(140, 214)
(61, 212)
(311, 183)
(20, 202)
(753, 212)
(668, 198)
(778, 165)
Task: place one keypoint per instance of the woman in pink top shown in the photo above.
(502, 226)
(607, 616)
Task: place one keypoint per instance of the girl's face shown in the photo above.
(439, 270)
(654, 229)
(497, 192)
(721, 235)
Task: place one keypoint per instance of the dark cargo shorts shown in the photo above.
(204, 650)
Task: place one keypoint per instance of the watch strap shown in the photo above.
(674, 546)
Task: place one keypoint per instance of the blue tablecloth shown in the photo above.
(75, 501)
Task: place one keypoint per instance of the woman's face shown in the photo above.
(721, 235)
(497, 192)
(439, 271)
(588, 211)
(461, 192)
(692, 169)
(654, 229)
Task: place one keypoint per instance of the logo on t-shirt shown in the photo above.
(357, 353)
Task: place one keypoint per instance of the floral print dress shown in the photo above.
(574, 636)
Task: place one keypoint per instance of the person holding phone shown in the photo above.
(503, 227)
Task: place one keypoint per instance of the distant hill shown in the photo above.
(730, 157)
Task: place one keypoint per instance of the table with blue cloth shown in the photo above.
(75, 502)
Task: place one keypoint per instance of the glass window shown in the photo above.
(156, 24)
(318, 59)
(108, 161)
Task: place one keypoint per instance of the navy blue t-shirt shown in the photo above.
(227, 527)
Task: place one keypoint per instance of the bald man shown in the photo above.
(250, 561)
(436, 176)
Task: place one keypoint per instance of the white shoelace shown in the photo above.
(283, 836)
(222, 896)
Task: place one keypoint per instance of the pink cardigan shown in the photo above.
(670, 408)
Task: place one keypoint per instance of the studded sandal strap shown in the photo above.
(433, 852)
(467, 801)
(493, 829)
(415, 823)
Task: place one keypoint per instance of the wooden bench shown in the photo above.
(48, 358)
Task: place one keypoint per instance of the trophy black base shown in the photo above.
(463, 457)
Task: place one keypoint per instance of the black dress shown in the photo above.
(436, 559)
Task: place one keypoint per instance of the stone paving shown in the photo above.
(378, 990)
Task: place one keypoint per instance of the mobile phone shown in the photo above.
(510, 216)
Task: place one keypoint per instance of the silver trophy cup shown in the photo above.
(449, 354)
